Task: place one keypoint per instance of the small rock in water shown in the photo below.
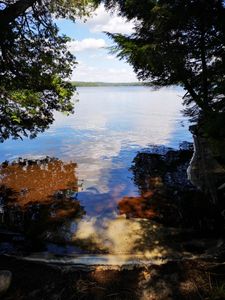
(5, 280)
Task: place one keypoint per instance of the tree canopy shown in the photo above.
(34, 64)
(177, 42)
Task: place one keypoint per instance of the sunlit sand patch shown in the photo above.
(121, 236)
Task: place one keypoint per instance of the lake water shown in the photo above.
(90, 155)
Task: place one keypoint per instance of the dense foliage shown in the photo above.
(34, 64)
(178, 42)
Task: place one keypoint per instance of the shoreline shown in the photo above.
(172, 280)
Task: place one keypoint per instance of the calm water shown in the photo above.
(91, 152)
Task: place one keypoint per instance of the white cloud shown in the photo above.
(103, 20)
(110, 57)
(103, 56)
(116, 71)
(85, 72)
(86, 44)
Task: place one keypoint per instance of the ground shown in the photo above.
(193, 279)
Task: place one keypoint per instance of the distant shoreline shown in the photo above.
(105, 84)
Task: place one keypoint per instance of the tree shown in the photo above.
(34, 64)
(178, 42)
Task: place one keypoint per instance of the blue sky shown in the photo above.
(90, 46)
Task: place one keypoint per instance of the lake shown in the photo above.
(89, 156)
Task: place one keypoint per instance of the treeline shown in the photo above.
(102, 84)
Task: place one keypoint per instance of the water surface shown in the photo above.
(90, 155)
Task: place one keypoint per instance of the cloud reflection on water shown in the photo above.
(110, 121)
(103, 136)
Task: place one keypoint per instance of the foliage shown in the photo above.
(71, 8)
(177, 43)
(34, 64)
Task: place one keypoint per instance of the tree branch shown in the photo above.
(204, 67)
(13, 11)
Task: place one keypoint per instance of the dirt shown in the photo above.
(193, 279)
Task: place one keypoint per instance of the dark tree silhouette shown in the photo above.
(34, 64)
(178, 43)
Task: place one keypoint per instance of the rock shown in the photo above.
(205, 170)
(5, 281)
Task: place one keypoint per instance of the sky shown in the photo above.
(91, 45)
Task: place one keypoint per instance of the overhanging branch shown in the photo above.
(13, 11)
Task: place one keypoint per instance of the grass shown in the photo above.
(217, 292)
